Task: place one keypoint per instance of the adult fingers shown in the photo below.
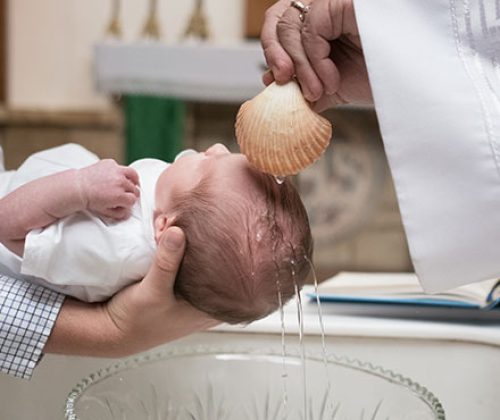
(193, 316)
(327, 102)
(317, 32)
(162, 273)
(289, 30)
(268, 77)
(278, 61)
(327, 21)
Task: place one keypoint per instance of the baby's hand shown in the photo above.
(108, 189)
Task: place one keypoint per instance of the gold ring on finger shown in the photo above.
(301, 7)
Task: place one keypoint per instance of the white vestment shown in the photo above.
(434, 70)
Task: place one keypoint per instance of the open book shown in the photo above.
(404, 289)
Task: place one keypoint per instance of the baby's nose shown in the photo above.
(217, 149)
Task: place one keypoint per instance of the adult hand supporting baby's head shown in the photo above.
(141, 316)
(148, 313)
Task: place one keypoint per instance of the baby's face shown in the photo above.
(229, 173)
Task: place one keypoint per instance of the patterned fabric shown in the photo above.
(27, 315)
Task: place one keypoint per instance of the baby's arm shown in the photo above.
(104, 188)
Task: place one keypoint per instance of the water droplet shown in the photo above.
(279, 179)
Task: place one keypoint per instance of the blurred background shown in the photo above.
(129, 79)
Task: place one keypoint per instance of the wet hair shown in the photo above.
(242, 258)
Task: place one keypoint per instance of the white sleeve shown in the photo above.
(50, 161)
(434, 71)
(85, 257)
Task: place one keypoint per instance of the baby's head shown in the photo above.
(248, 237)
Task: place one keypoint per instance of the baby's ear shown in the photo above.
(161, 223)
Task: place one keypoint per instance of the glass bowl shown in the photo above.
(219, 383)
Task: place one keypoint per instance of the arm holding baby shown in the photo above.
(143, 315)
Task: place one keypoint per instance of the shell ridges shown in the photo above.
(278, 131)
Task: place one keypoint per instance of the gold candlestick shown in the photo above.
(114, 27)
(198, 24)
(152, 26)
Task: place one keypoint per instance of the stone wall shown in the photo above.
(25, 132)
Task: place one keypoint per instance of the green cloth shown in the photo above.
(154, 127)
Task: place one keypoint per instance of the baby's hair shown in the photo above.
(239, 255)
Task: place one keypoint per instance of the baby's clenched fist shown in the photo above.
(108, 189)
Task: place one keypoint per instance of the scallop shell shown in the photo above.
(279, 132)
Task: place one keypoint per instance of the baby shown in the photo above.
(88, 228)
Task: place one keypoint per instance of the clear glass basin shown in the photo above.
(218, 383)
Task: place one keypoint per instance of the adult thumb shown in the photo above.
(168, 258)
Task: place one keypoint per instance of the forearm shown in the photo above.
(126, 325)
(38, 204)
(84, 329)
